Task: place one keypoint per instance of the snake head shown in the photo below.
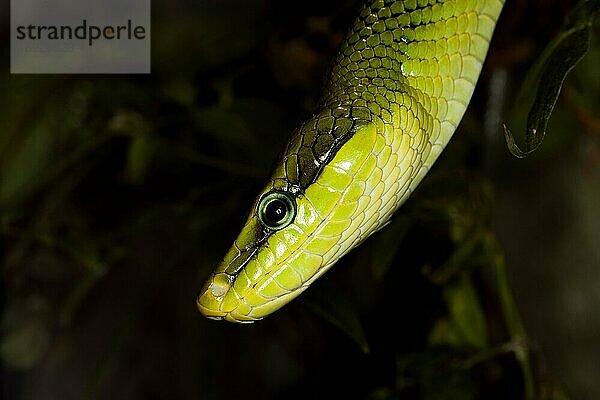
(256, 276)
(295, 232)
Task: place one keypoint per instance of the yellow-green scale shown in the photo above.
(399, 87)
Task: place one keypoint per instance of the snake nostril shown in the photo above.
(214, 294)
(219, 285)
(217, 290)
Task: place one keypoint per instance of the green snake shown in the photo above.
(397, 90)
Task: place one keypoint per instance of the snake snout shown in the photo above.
(212, 295)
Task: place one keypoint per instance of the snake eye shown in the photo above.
(276, 210)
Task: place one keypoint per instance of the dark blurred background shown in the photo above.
(119, 194)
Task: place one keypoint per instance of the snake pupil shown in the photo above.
(275, 211)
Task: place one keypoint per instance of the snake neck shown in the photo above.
(397, 90)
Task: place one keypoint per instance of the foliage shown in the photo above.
(546, 78)
(119, 194)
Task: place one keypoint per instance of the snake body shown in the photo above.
(396, 92)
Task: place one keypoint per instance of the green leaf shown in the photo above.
(25, 337)
(546, 77)
(329, 302)
(466, 324)
(436, 374)
(141, 154)
(21, 173)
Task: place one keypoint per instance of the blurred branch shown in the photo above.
(512, 319)
(590, 121)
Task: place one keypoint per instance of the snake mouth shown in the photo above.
(219, 300)
(212, 299)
